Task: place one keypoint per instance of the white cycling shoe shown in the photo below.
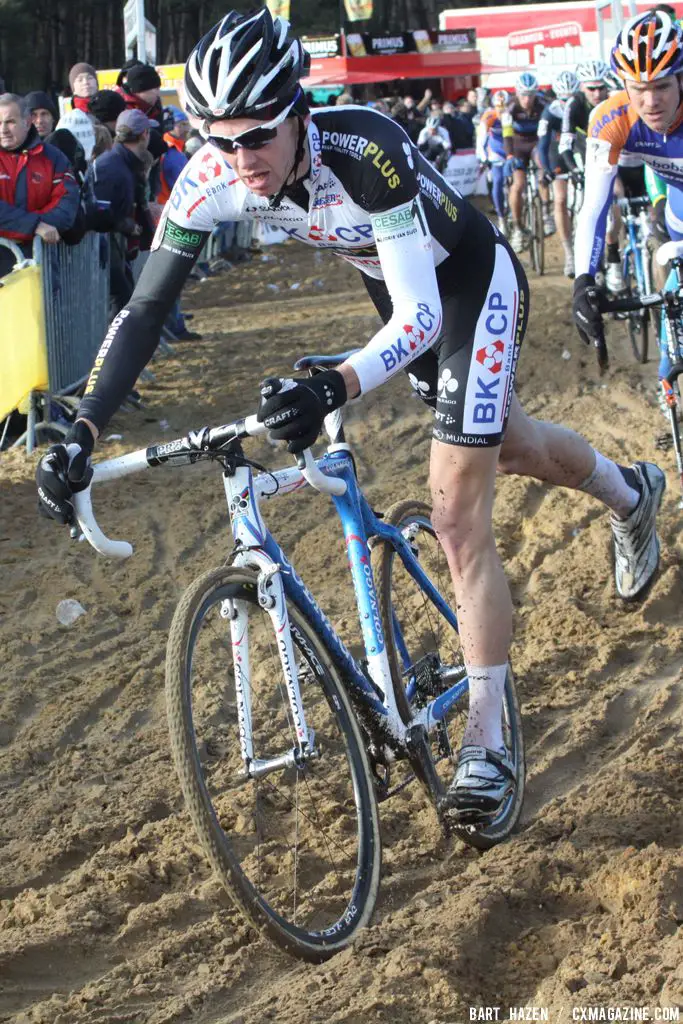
(483, 781)
(502, 226)
(614, 279)
(549, 224)
(636, 545)
(517, 239)
(569, 264)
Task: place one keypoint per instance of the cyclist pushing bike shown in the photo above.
(454, 301)
(645, 120)
(491, 151)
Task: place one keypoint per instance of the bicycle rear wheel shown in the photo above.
(637, 322)
(426, 658)
(298, 848)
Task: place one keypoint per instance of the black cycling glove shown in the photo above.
(586, 308)
(63, 471)
(294, 410)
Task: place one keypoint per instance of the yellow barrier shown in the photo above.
(23, 353)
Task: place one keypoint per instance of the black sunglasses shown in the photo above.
(255, 138)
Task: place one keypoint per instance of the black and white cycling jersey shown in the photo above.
(369, 198)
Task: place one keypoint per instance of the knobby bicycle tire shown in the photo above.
(637, 322)
(410, 515)
(537, 239)
(223, 846)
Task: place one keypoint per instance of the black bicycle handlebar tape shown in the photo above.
(631, 304)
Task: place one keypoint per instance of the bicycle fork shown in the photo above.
(248, 528)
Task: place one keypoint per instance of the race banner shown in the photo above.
(358, 10)
(419, 40)
(278, 8)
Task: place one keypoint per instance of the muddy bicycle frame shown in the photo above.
(256, 548)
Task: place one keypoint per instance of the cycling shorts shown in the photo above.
(468, 375)
(523, 147)
(557, 164)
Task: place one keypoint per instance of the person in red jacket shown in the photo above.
(38, 191)
(140, 87)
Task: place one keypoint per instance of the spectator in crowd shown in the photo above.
(343, 99)
(407, 117)
(142, 90)
(81, 127)
(460, 128)
(174, 159)
(105, 106)
(83, 83)
(104, 140)
(427, 98)
(117, 176)
(38, 192)
(43, 113)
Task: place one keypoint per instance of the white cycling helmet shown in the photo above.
(245, 66)
(565, 85)
(526, 82)
(592, 72)
(434, 121)
(500, 98)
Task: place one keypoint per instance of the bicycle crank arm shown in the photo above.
(420, 757)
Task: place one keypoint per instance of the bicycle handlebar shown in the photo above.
(181, 451)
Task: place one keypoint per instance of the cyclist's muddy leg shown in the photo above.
(558, 455)
(462, 483)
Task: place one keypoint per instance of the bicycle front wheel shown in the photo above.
(638, 322)
(537, 239)
(425, 657)
(295, 840)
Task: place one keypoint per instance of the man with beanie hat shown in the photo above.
(83, 84)
(141, 90)
(105, 106)
(43, 112)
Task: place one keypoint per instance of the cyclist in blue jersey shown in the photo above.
(491, 151)
(454, 301)
(646, 121)
(520, 135)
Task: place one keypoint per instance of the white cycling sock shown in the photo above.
(568, 248)
(484, 721)
(608, 484)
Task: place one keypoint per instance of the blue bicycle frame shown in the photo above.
(359, 524)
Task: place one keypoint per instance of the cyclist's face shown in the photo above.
(594, 93)
(526, 100)
(263, 170)
(655, 103)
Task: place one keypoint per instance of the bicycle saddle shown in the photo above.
(320, 362)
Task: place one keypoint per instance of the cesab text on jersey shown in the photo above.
(360, 148)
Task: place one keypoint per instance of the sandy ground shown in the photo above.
(108, 909)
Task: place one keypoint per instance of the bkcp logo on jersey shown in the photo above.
(413, 339)
(211, 167)
(491, 372)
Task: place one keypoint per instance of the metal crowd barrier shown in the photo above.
(75, 298)
(76, 305)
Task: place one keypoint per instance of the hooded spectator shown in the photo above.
(38, 191)
(43, 112)
(105, 106)
(83, 84)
